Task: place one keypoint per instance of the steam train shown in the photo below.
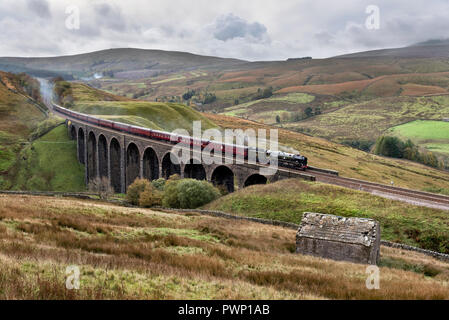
(295, 161)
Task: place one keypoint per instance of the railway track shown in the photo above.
(422, 198)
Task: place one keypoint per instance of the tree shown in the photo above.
(390, 147)
(209, 98)
(150, 197)
(188, 95)
(308, 112)
(101, 186)
(267, 92)
(135, 189)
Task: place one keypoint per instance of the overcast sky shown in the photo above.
(244, 29)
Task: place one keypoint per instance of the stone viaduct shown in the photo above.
(122, 158)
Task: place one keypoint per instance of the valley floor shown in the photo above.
(146, 254)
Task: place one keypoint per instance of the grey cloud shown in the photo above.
(110, 17)
(39, 7)
(318, 28)
(324, 37)
(230, 27)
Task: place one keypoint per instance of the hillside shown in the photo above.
(155, 115)
(125, 63)
(129, 253)
(50, 163)
(351, 162)
(370, 119)
(286, 200)
(321, 153)
(19, 116)
(427, 49)
(29, 144)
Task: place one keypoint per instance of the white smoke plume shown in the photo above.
(46, 90)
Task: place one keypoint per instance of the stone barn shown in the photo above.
(338, 238)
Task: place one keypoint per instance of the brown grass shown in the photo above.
(128, 253)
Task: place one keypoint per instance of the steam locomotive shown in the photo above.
(295, 161)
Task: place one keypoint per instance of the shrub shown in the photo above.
(150, 197)
(192, 193)
(159, 184)
(135, 189)
(170, 196)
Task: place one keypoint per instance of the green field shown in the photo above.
(50, 164)
(433, 135)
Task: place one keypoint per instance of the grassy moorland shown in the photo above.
(266, 110)
(19, 117)
(128, 253)
(50, 164)
(351, 99)
(155, 115)
(351, 162)
(368, 120)
(287, 200)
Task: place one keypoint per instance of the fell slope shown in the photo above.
(370, 119)
(154, 115)
(122, 62)
(287, 200)
(350, 162)
(131, 253)
(19, 116)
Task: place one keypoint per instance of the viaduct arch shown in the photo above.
(73, 133)
(81, 146)
(122, 158)
(91, 157)
(194, 170)
(255, 179)
(223, 176)
(150, 164)
(103, 163)
(132, 163)
(170, 167)
(116, 165)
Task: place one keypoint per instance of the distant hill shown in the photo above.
(427, 49)
(122, 63)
